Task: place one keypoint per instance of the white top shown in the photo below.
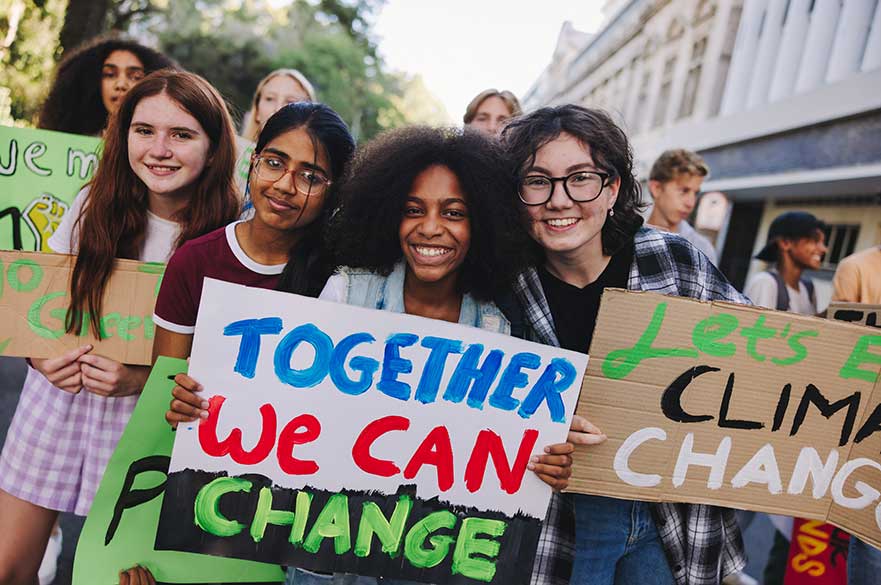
(762, 290)
(334, 289)
(159, 238)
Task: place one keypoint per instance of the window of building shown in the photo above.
(841, 239)
(692, 82)
(664, 93)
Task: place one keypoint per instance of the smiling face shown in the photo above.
(120, 71)
(674, 199)
(278, 204)
(167, 147)
(562, 226)
(277, 93)
(805, 253)
(491, 115)
(435, 230)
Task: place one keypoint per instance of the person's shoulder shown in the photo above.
(856, 259)
(198, 251)
(762, 278)
(206, 243)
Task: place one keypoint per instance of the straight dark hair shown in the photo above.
(609, 148)
(309, 264)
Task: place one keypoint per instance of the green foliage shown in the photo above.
(28, 52)
(234, 44)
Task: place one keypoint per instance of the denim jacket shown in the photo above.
(386, 293)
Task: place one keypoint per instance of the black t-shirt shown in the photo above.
(575, 309)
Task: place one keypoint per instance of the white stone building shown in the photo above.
(782, 97)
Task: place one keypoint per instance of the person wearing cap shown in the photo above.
(674, 183)
(796, 242)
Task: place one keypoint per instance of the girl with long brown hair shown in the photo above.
(165, 177)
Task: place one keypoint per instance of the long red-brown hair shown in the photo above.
(113, 222)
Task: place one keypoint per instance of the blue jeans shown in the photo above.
(616, 542)
(863, 563)
(297, 576)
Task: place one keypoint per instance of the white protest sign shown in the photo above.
(321, 412)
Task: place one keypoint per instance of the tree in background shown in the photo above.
(234, 43)
(28, 54)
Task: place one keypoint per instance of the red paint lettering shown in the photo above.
(292, 435)
(361, 450)
(232, 445)
(435, 450)
(489, 444)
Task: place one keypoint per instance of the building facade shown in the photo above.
(781, 97)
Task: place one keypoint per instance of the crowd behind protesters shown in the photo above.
(515, 224)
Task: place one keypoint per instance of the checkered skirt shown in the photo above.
(59, 444)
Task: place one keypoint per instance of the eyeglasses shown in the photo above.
(306, 181)
(581, 186)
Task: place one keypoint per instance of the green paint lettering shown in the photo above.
(153, 268)
(620, 363)
(799, 351)
(207, 506)
(298, 528)
(706, 334)
(332, 522)
(107, 323)
(390, 533)
(753, 334)
(127, 324)
(36, 310)
(425, 558)
(264, 515)
(149, 327)
(862, 355)
(36, 275)
(482, 568)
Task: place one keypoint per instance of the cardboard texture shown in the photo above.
(325, 415)
(41, 172)
(750, 386)
(857, 313)
(121, 526)
(34, 297)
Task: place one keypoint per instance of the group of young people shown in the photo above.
(514, 224)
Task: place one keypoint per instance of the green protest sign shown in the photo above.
(121, 526)
(40, 173)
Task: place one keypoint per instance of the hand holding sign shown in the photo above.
(65, 371)
(399, 448)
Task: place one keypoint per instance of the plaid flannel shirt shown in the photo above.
(702, 543)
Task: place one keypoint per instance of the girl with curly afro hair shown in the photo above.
(91, 82)
(428, 226)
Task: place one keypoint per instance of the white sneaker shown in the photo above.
(732, 579)
(46, 574)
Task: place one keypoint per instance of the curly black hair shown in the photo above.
(609, 148)
(364, 232)
(74, 104)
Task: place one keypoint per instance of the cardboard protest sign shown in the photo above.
(40, 173)
(858, 313)
(121, 526)
(733, 405)
(354, 440)
(34, 298)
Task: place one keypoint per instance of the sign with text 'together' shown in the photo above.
(367, 442)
